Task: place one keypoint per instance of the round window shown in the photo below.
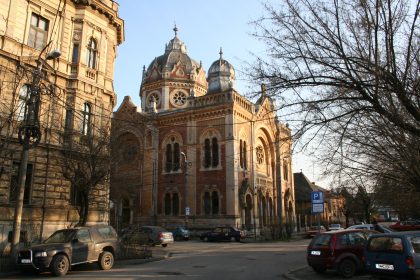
(179, 98)
(154, 96)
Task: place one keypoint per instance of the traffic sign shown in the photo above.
(317, 208)
(317, 197)
(187, 211)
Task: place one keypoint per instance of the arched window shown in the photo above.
(207, 205)
(215, 203)
(244, 155)
(86, 122)
(241, 159)
(214, 152)
(92, 52)
(173, 155)
(167, 204)
(211, 152)
(175, 204)
(169, 158)
(285, 170)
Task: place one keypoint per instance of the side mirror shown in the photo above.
(75, 240)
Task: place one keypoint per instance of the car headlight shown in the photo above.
(40, 254)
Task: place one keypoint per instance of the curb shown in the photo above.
(289, 275)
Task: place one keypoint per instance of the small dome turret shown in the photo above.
(221, 75)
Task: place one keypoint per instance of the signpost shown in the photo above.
(317, 201)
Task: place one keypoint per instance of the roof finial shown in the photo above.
(263, 89)
(221, 53)
(175, 29)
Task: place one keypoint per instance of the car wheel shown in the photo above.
(60, 265)
(106, 260)
(347, 268)
(164, 245)
(319, 269)
(206, 238)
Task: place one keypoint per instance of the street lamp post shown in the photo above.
(29, 137)
(187, 208)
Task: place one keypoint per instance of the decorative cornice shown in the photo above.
(110, 12)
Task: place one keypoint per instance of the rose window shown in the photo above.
(154, 96)
(179, 98)
(260, 155)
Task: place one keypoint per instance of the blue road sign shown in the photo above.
(317, 197)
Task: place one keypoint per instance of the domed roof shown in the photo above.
(175, 55)
(221, 75)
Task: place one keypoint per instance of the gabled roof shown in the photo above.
(304, 187)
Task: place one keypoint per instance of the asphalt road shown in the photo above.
(202, 260)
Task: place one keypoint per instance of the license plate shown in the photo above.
(384, 266)
(25, 261)
(316, 253)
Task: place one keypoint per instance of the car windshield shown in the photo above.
(61, 236)
(334, 226)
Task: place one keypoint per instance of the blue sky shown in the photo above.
(204, 26)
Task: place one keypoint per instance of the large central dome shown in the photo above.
(172, 78)
(174, 63)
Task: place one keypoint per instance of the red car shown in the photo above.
(314, 230)
(340, 250)
(405, 225)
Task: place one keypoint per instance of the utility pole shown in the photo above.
(29, 137)
(187, 208)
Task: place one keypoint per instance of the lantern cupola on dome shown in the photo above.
(221, 75)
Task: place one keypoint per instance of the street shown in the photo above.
(209, 260)
(202, 260)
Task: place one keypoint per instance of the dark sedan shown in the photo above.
(227, 233)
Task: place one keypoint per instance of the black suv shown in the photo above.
(68, 247)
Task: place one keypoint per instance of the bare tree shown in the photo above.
(86, 164)
(346, 73)
(12, 108)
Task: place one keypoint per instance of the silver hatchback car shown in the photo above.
(151, 235)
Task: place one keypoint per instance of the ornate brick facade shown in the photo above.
(197, 152)
(77, 98)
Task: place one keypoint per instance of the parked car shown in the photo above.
(362, 226)
(341, 250)
(394, 254)
(68, 247)
(405, 225)
(180, 233)
(226, 233)
(147, 235)
(314, 230)
(377, 227)
(335, 227)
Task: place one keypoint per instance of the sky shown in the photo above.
(204, 27)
